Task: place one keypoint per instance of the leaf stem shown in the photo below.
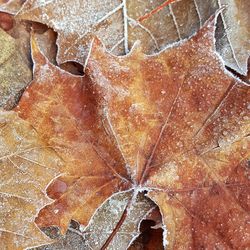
(119, 224)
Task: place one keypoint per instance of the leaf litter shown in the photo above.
(121, 23)
(185, 198)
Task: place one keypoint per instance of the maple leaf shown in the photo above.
(183, 126)
(175, 124)
(27, 165)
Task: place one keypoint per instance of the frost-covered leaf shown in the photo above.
(110, 215)
(169, 113)
(233, 38)
(175, 125)
(116, 22)
(15, 70)
(27, 165)
(120, 23)
(103, 223)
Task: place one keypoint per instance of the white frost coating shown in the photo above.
(125, 23)
(43, 3)
(96, 235)
(109, 198)
(165, 234)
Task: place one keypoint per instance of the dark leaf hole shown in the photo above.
(150, 238)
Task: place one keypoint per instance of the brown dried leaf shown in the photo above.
(109, 215)
(79, 20)
(119, 24)
(47, 44)
(21, 33)
(27, 165)
(15, 70)
(234, 34)
(175, 124)
(114, 21)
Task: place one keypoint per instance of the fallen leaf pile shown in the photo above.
(133, 132)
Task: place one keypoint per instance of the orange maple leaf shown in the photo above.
(175, 124)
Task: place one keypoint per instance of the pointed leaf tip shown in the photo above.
(211, 22)
(33, 43)
(98, 45)
(37, 55)
(206, 35)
